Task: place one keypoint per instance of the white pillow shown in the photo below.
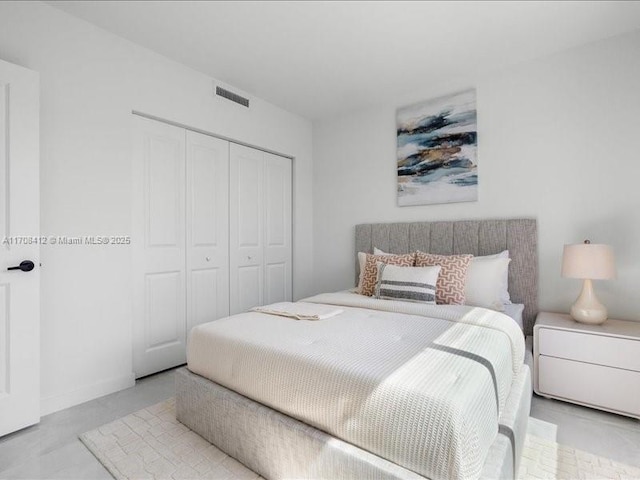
(485, 283)
(409, 284)
(505, 299)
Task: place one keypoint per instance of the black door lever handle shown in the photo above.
(25, 266)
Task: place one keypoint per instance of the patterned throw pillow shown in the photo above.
(451, 281)
(370, 272)
(410, 284)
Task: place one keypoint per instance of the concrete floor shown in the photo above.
(601, 433)
(51, 449)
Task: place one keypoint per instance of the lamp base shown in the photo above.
(588, 308)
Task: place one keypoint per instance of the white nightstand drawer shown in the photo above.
(584, 347)
(605, 387)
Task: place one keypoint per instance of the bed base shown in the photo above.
(277, 446)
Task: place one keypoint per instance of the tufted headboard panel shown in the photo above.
(477, 237)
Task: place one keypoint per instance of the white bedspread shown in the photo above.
(420, 385)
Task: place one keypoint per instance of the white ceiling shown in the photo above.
(320, 59)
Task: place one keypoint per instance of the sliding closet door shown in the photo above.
(246, 236)
(277, 228)
(158, 244)
(207, 229)
(211, 236)
(260, 228)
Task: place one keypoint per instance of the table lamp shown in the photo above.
(590, 262)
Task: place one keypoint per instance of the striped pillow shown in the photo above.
(411, 284)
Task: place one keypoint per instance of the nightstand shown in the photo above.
(593, 365)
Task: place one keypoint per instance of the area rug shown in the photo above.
(152, 444)
(545, 459)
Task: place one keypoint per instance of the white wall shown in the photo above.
(90, 82)
(559, 140)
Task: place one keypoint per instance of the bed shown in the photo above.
(448, 398)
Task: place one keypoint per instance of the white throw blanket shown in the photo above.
(420, 385)
(299, 310)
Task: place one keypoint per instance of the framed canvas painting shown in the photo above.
(437, 151)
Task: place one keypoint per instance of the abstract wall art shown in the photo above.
(437, 151)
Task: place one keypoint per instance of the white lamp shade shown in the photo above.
(588, 261)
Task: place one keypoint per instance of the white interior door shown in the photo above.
(207, 229)
(246, 235)
(158, 247)
(260, 232)
(19, 232)
(277, 227)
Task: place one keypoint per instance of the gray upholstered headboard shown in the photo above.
(478, 237)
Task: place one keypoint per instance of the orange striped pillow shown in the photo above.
(452, 278)
(370, 272)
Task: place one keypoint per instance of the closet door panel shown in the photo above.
(158, 245)
(276, 283)
(249, 203)
(207, 164)
(277, 214)
(163, 306)
(164, 165)
(206, 303)
(249, 287)
(246, 228)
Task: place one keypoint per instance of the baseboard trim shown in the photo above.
(55, 403)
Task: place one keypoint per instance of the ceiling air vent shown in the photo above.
(234, 97)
